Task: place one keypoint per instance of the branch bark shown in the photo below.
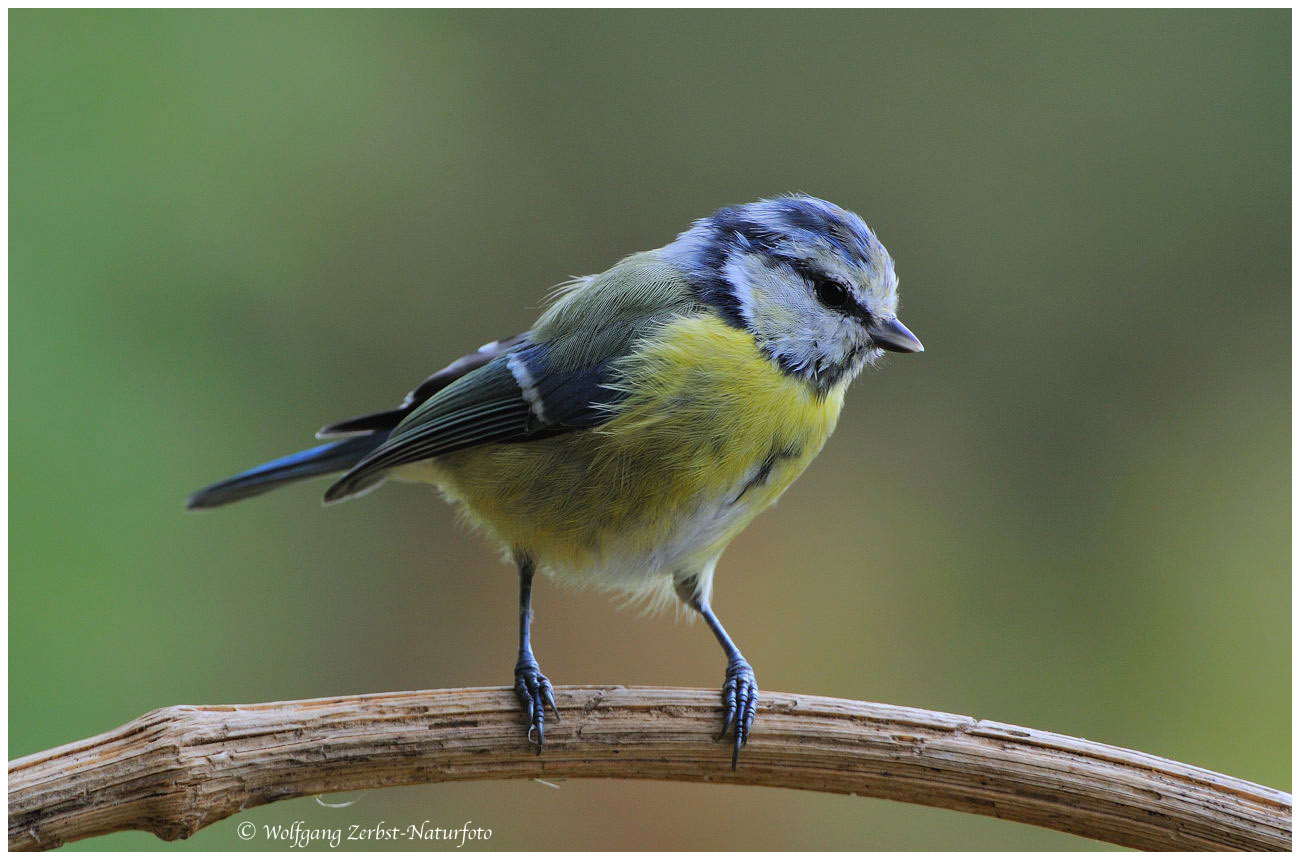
(175, 770)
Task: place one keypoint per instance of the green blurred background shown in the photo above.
(229, 228)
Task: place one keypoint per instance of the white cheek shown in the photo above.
(787, 319)
(738, 271)
(768, 296)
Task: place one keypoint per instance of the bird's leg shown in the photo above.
(740, 690)
(531, 686)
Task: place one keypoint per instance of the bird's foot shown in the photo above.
(740, 698)
(535, 693)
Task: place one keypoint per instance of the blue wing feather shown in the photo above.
(321, 460)
(571, 399)
(390, 418)
(489, 406)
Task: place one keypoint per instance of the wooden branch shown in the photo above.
(181, 768)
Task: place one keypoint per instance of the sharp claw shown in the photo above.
(740, 700)
(729, 702)
(535, 693)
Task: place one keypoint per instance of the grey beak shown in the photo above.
(892, 335)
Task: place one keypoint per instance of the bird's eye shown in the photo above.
(833, 294)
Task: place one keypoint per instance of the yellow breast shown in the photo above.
(709, 433)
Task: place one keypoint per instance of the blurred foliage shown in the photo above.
(229, 228)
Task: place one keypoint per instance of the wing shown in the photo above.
(558, 378)
(390, 418)
(514, 397)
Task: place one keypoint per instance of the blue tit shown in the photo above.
(647, 417)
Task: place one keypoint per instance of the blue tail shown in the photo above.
(322, 460)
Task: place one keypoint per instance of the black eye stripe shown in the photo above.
(831, 293)
(819, 280)
(836, 296)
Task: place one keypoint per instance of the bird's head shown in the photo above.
(807, 279)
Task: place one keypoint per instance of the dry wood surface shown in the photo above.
(177, 769)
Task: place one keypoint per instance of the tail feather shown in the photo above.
(321, 460)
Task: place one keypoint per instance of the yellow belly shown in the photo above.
(710, 434)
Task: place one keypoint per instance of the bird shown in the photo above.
(648, 415)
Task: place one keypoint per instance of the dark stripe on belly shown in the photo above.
(765, 470)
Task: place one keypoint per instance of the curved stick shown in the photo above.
(175, 770)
